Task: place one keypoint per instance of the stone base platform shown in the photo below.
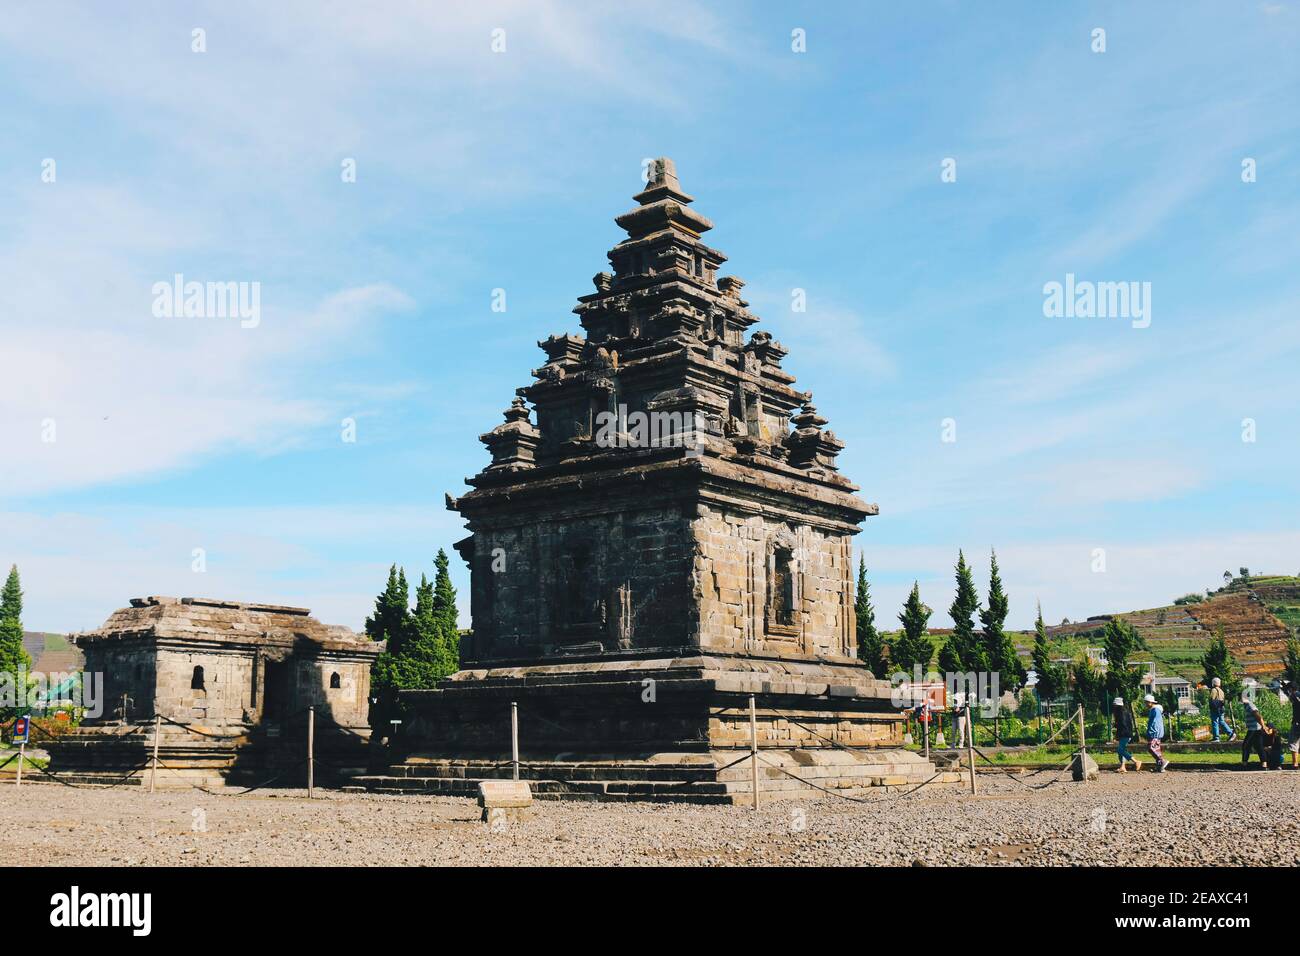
(713, 777)
(656, 728)
(233, 756)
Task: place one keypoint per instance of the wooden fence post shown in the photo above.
(970, 745)
(753, 747)
(311, 751)
(514, 737)
(153, 767)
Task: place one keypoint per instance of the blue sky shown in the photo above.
(479, 170)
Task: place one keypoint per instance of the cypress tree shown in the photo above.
(912, 646)
(949, 661)
(965, 646)
(999, 649)
(394, 623)
(1051, 679)
(418, 664)
(427, 644)
(1218, 662)
(11, 597)
(870, 646)
(1120, 640)
(13, 656)
(391, 621)
(1089, 684)
(423, 599)
(444, 613)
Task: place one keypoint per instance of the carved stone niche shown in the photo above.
(579, 606)
(782, 604)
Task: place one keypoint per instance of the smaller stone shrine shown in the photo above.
(232, 682)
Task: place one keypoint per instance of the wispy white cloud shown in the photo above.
(99, 389)
(1155, 476)
(1063, 371)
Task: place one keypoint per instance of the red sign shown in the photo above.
(936, 695)
(22, 727)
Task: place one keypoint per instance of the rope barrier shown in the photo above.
(217, 793)
(842, 796)
(86, 786)
(200, 733)
(1065, 725)
(1016, 776)
(39, 729)
(856, 752)
(574, 785)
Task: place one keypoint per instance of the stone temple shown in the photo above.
(670, 536)
(233, 680)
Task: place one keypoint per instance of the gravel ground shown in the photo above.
(1176, 818)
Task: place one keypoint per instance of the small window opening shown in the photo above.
(783, 588)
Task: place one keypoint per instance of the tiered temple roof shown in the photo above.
(665, 333)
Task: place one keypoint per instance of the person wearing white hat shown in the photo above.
(1124, 732)
(959, 722)
(1156, 732)
(1218, 701)
(1253, 742)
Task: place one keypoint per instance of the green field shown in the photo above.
(1107, 760)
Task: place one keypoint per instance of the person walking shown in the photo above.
(1124, 732)
(960, 725)
(922, 713)
(1254, 739)
(1156, 732)
(1218, 703)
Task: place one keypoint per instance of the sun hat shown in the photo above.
(1150, 698)
(1118, 701)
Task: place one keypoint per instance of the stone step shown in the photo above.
(719, 791)
(718, 775)
(547, 789)
(729, 793)
(812, 765)
(822, 775)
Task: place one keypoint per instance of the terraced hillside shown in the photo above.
(1256, 638)
(1257, 617)
(1281, 595)
(1178, 640)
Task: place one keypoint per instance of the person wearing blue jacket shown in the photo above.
(1156, 732)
